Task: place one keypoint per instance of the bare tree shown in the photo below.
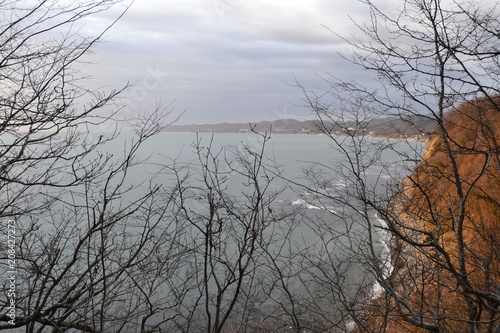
(227, 200)
(206, 246)
(96, 245)
(82, 235)
(438, 61)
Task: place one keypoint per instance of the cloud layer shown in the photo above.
(223, 60)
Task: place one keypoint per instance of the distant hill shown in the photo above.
(391, 127)
(282, 125)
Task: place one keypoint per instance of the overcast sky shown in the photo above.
(224, 60)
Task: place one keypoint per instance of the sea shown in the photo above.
(318, 177)
(314, 178)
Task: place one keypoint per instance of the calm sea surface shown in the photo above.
(314, 161)
(299, 158)
(293, 155)
(327, 228)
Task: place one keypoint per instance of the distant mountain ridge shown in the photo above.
(391, 127)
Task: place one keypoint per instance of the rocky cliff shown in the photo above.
(446, 225)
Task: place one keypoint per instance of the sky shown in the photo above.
(224, 60)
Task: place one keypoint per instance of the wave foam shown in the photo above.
(303, 203)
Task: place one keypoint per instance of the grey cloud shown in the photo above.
(230, 69)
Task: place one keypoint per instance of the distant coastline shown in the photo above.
(417, 128)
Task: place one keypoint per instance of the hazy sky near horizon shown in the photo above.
(224, 60)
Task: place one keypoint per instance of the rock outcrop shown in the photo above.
(447, 231)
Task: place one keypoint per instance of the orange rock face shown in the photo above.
(448, 221)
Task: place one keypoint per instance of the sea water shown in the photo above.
(312, 173)
(317, 174)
